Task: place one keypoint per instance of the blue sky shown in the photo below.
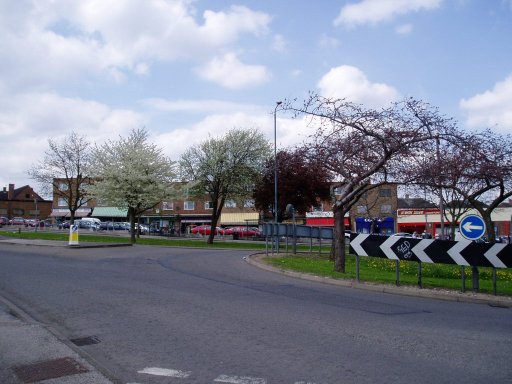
(187, 69)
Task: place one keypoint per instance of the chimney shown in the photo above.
(10, 194)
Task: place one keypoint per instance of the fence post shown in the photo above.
(319, 242)
(463, 278)
(494, 282)
(419, 275)
(294, 240)
(357, 268)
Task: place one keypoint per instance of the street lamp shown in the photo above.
(278, 103)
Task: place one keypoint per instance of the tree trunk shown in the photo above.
(491, 233)
(215, 220)
(131, 216)
(339, 240)
(332, 254)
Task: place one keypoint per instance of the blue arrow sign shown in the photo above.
(472, 227)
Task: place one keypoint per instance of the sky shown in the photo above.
(188, 70)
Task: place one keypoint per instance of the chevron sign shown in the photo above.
(467, 253)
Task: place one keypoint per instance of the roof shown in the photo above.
(63, 212)
(108, 212)
(4, 194)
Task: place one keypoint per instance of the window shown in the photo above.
(362, 209)
(63, 187)
(385, 192)
(208, 205)
(230, 204)
(338, 191)
(385, 208)
(167, 205)
(62, 202)
(189, 205)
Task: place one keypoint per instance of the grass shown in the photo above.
(371, 269)
(154, 241)
(374, 269)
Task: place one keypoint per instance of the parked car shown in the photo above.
(17, 221)
(85, 224)
(155, 229)
(64, 225)
(4, 220)
(206, 230)
(141, 228)
(242, 231)
(402, 234)
(45, 223)
(31, 223)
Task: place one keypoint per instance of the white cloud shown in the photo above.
(28, 120)
(62, 41)
(290, 132)
(200, 106)
(221, 27)
(404, 29)
(490, 108)
(350, 83)
(231, 73)
(328, 42)
(279, 43)
(375, 11)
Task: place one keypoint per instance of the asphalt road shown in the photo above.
(169, 315)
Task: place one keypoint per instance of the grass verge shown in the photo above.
(374, 269)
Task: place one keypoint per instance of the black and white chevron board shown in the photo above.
(465, 253)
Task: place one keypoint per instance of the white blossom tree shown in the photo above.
(132, 173)
(225, 168)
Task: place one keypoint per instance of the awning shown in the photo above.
(250, 218)
(60, 212)
(108, 212)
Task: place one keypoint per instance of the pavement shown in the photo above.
(31, 352)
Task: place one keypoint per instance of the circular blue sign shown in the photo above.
(472, 227)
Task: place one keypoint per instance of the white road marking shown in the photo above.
(166, 372)
(240, 380)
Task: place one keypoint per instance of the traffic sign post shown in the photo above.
(472, 227)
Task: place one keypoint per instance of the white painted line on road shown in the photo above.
(304, 382)
(166, 372)
(240, 380)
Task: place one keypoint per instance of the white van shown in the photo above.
(94, 221)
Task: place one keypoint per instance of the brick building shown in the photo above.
(23, 202)
(375, 212)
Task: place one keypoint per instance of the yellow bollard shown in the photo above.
(73, 234)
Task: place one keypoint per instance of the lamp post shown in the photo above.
(278, 103)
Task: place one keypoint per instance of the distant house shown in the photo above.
(23, 202)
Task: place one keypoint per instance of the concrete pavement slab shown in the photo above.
(30, 353)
